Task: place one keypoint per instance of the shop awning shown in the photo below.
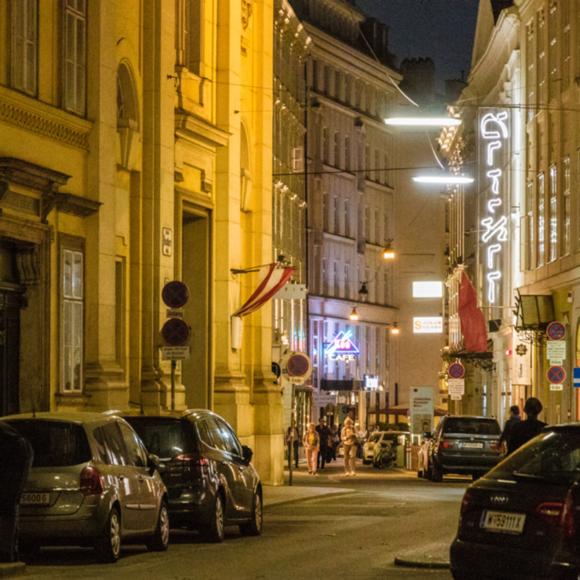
(276, 277)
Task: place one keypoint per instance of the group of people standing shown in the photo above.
(321, 442)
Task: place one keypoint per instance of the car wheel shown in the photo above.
(436, 473)
(108, 544)
(254, 526)
(214, 531)
(159, 541)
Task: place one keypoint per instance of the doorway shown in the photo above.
(195, 261)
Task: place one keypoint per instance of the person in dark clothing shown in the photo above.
(523, 431)
(513, 419)
(323, 434)
(15, 462)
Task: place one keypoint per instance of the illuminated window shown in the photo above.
(427, 289)
(191, 19)
(567, 202)
(542, 57)
(553, 213)
(566, 45)
(553, 56)
(531, 65)
(541, 221)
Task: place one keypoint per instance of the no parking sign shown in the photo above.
(556, 375)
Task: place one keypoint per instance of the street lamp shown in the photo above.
(353, 314)
(444, 179)
(422, 122)
(389, 253)
(395, 330)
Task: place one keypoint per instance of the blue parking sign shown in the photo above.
(576, 377)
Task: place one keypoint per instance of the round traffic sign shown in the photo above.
(298, 365)
(556, 331)
(556, 375)
(456, 370)
(175, 332)
(175, 294)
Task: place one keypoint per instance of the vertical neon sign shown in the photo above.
(494, 133)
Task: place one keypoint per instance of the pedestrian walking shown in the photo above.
(512, 420)
(523, 431)
(348, 437)
(323, 433)
(311, 447)
(292, 444)
(15, 461)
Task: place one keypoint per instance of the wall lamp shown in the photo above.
(394, 326)
(353, 315)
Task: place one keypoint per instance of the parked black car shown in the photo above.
(522, 520)
(463, 445)
(210, 480)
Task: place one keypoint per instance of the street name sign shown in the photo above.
(576, 377)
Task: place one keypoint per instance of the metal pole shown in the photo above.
(292, 428)
(173, 367)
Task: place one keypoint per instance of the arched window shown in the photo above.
(127, 112)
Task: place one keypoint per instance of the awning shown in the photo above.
(274, 280)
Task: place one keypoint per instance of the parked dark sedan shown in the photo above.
(463, 445)
(210, 480)
(522, 520)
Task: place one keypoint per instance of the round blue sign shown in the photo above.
(556, 331)
(556, 375)
(456, 370)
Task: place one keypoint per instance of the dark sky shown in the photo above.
(440, 29)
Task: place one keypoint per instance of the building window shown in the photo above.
(553, 213)
(346, 217)
(325, 145)
(347, 281)
(567, 209)
(347, 160)
(24, 45)
(336, 149)
(378, 238)
(325, 210)
(542, 57)
(553, 57)
(75, 56)
(368, 161)
(71, 321)
(531, 66)
(336, 213)
(566, 45)
(367, 224)
(335, 279)
(120, 311)
(324, 273)
(541, 221)
(529, 246)
(192, 34)
(377, 166)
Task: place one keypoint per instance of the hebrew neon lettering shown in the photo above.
(494, 175)
(494, 229)
(499, 120)
(493, 203)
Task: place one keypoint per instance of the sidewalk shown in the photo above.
(433, 556)
(279, 494)
(13, 569)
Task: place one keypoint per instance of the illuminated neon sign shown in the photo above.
(342, 347)
(495, 134)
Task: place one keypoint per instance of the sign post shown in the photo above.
(175, 332)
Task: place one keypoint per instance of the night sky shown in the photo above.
(440, 29)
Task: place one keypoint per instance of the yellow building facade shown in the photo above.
(136, 148)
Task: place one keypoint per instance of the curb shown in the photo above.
(424, 563)
(12, 569)
(307, 498)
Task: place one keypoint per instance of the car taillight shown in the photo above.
(551, 510)
(91, 481)
(567, 520)
(446, 444)
(466, 502)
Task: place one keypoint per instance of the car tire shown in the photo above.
(254, 526)
(159, 541)
(436, 473)
(108, 544)
(214, 530)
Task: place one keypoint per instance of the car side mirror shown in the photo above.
(154, 464)
(247, 453)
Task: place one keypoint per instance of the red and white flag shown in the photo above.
(473, 325)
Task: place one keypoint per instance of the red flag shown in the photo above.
(473, 325)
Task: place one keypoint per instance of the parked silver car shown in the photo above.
(92, 482)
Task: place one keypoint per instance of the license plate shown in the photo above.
(35, 499)
(503, 522)
(473, 445)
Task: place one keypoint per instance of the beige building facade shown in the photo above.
(139, 154)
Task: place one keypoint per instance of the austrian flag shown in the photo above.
(473, 326)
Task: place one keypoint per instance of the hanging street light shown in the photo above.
(438, 122)
(445, 179)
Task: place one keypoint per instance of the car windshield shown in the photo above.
(552, 456)
(166, 438)
(472, 426)
(374, 437)
(55, 443)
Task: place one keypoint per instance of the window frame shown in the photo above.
(72, 245)
(79, 106)
(13, 62)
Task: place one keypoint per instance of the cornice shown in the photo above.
(197, 130)
(37, 117)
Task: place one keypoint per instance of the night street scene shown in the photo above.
(290, 289)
